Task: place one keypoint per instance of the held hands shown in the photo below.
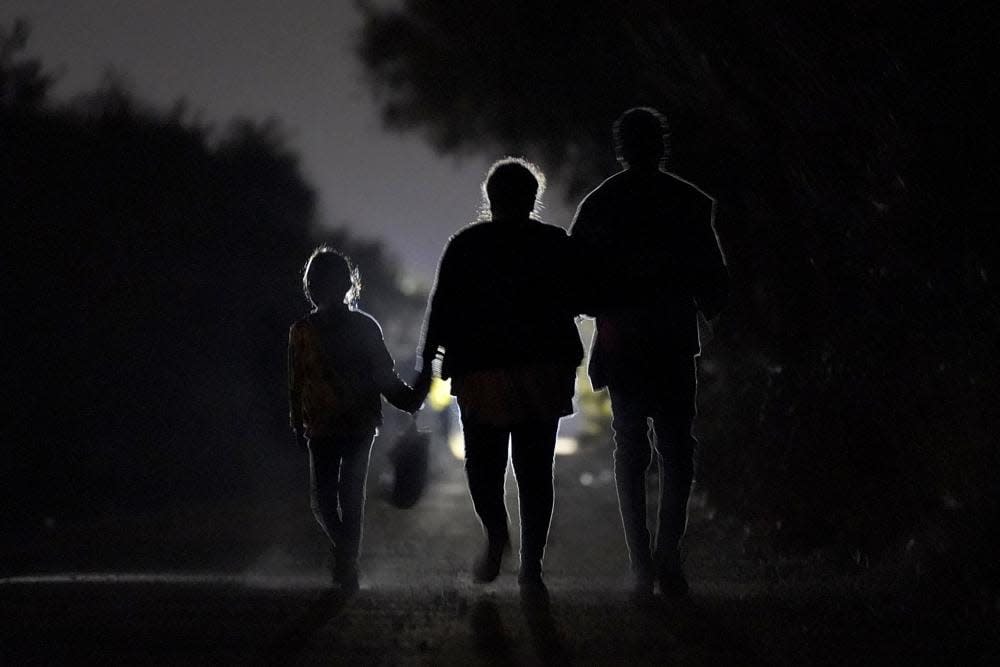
(301, 440)
(421, 387)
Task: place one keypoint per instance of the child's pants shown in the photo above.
(338, 470)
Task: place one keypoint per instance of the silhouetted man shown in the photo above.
(649, 241)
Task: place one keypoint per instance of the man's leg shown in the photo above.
(675, 448)
(533, 448)
(486, 467)
(353, 479)
(632, 457)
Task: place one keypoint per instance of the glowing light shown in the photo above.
(439, 397)
(567, 446)
(456, 444)
(564, 446)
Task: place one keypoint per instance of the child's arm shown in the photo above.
(395, 390)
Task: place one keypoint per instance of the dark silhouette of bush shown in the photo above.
(152, 267)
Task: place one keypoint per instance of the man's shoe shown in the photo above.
(642, 588)
(331, 562)
(672, 582)
(345, 575)
(347, 580)
(487, 566)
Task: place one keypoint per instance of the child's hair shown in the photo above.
(329, 276)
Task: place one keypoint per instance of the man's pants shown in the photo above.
(532, 447)
(338, 470)
(671, 406)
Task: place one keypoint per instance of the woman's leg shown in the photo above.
(486, 467)
(533, 448)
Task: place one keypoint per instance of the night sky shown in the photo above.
(293, 60)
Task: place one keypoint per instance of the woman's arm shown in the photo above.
(439, 310)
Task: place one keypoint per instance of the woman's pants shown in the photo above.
(532, 446)
(338, 470)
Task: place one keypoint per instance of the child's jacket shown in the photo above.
(338, 366)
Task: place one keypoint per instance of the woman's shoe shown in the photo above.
(533, 588)
(347, 580)
(672, 582)
(487, 566)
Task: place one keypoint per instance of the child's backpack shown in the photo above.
(328, 400)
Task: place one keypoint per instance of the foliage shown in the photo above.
(23, 84)
(152, 269)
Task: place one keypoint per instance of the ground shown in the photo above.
(245, 583)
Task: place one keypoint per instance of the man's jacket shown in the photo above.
(653, 261)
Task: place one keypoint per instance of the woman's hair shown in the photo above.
(329, 276)
(513, 186)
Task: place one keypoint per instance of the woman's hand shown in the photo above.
(422, 386)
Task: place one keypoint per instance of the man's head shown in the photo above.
(513, 188)
(641, 137)
(329, 278)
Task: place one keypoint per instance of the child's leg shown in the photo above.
(324, 468)
(353, 476)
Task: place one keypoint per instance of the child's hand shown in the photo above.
(421, 387)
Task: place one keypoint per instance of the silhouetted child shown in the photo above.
(338, 369)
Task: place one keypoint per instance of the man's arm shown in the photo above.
(586, 222)
(712, 276)
(587, 253)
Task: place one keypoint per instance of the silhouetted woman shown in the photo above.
(501, 321)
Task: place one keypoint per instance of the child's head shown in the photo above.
(330, 279)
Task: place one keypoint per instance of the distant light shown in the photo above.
(456, 444)
(439, 397)
(564, 446)
(410, 285)
(567, 446)
(586, 479)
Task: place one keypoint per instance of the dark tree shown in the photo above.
(23, 83)
(151, 270)
(848, 148)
